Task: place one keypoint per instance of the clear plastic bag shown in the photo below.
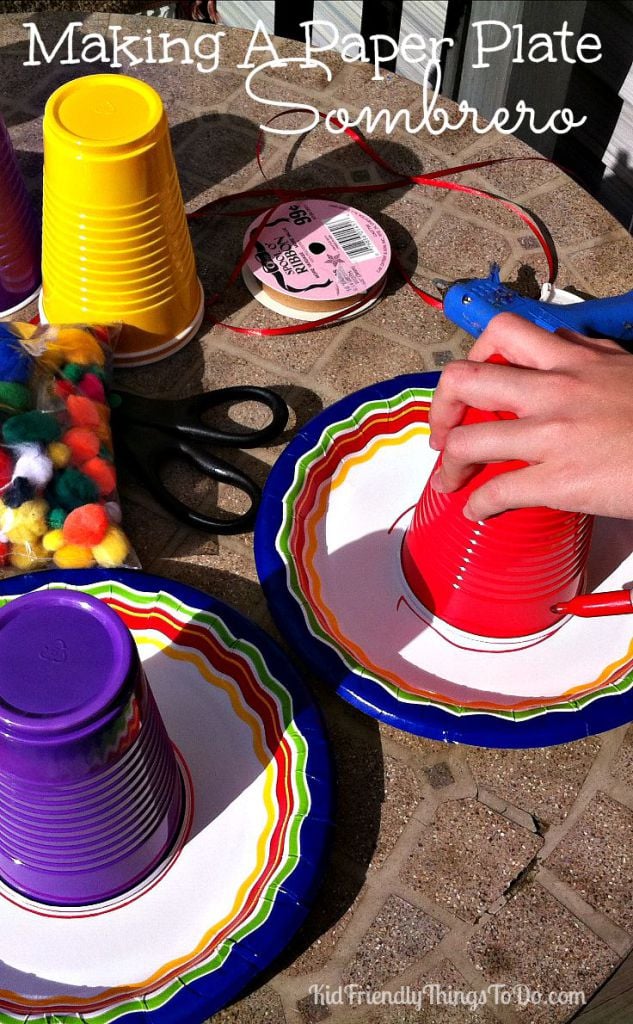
(59, 505)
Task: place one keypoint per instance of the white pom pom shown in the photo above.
(33, 464)
(114, 511)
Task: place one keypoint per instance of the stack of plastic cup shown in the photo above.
(500, 577)
(19, 234)
(90, 791)
(116, 246)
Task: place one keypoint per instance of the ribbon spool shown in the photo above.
(275, 197)
(497, 578)
(314, 256)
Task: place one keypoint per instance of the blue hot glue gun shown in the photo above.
(471, 305)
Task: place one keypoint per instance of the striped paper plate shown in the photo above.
(247, 863)
(328, 541)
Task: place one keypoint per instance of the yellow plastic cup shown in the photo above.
(116, 246)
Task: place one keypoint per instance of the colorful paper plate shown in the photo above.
(327, 543)
(247, 863)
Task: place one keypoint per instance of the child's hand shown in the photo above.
(573, 397)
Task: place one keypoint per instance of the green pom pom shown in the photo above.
(57, 518)
(31, 426)
(97, 370)
(106, 453)
(72, 489)
(14, 396)
(73, 372)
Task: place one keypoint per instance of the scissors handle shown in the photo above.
(148, 458)
(195, 408)
(183, 417)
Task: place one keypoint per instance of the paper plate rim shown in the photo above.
(249, 957)
(553, 725)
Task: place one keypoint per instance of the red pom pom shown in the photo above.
(102, 473)
(64, 388)
(86, 525)
(83, 443)
(6, 468)
(82, 411)
(92, 387)
(5, 551)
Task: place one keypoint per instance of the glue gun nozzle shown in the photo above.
(442, 285)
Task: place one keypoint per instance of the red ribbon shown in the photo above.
(279, 195)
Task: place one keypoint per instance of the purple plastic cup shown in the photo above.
(91, 797)
(20, 234)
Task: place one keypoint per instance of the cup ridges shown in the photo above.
(97, 850)
(143, 284)
(91, 795)
(116, 241)
(19, 231)
(499, 577)
(141, 802)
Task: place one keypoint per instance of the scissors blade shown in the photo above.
(148, 452)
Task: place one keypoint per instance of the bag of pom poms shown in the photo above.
(59, 504)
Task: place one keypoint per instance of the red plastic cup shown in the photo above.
(20, 237)
(91, 797)
(497, 578)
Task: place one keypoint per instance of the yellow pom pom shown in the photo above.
(35, 509)
(59, 454)
(112, 549)
(73, 345)
(7, 518)
(53, 540)
(20, 534)
(73, 556)
(29, 520)
(24, 330)
(28, 556)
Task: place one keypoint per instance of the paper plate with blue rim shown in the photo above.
(327, 544)
(247, 863)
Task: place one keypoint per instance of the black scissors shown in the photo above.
(150, 432)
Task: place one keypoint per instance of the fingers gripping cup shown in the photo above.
(90, 791)
(116, 245)
(499, 578)
(19, 234)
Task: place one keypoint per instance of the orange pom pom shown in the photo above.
(103, 412)
(83, 443)
(104, 434)
(102, 473)
(82, 411)
(86, 525)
